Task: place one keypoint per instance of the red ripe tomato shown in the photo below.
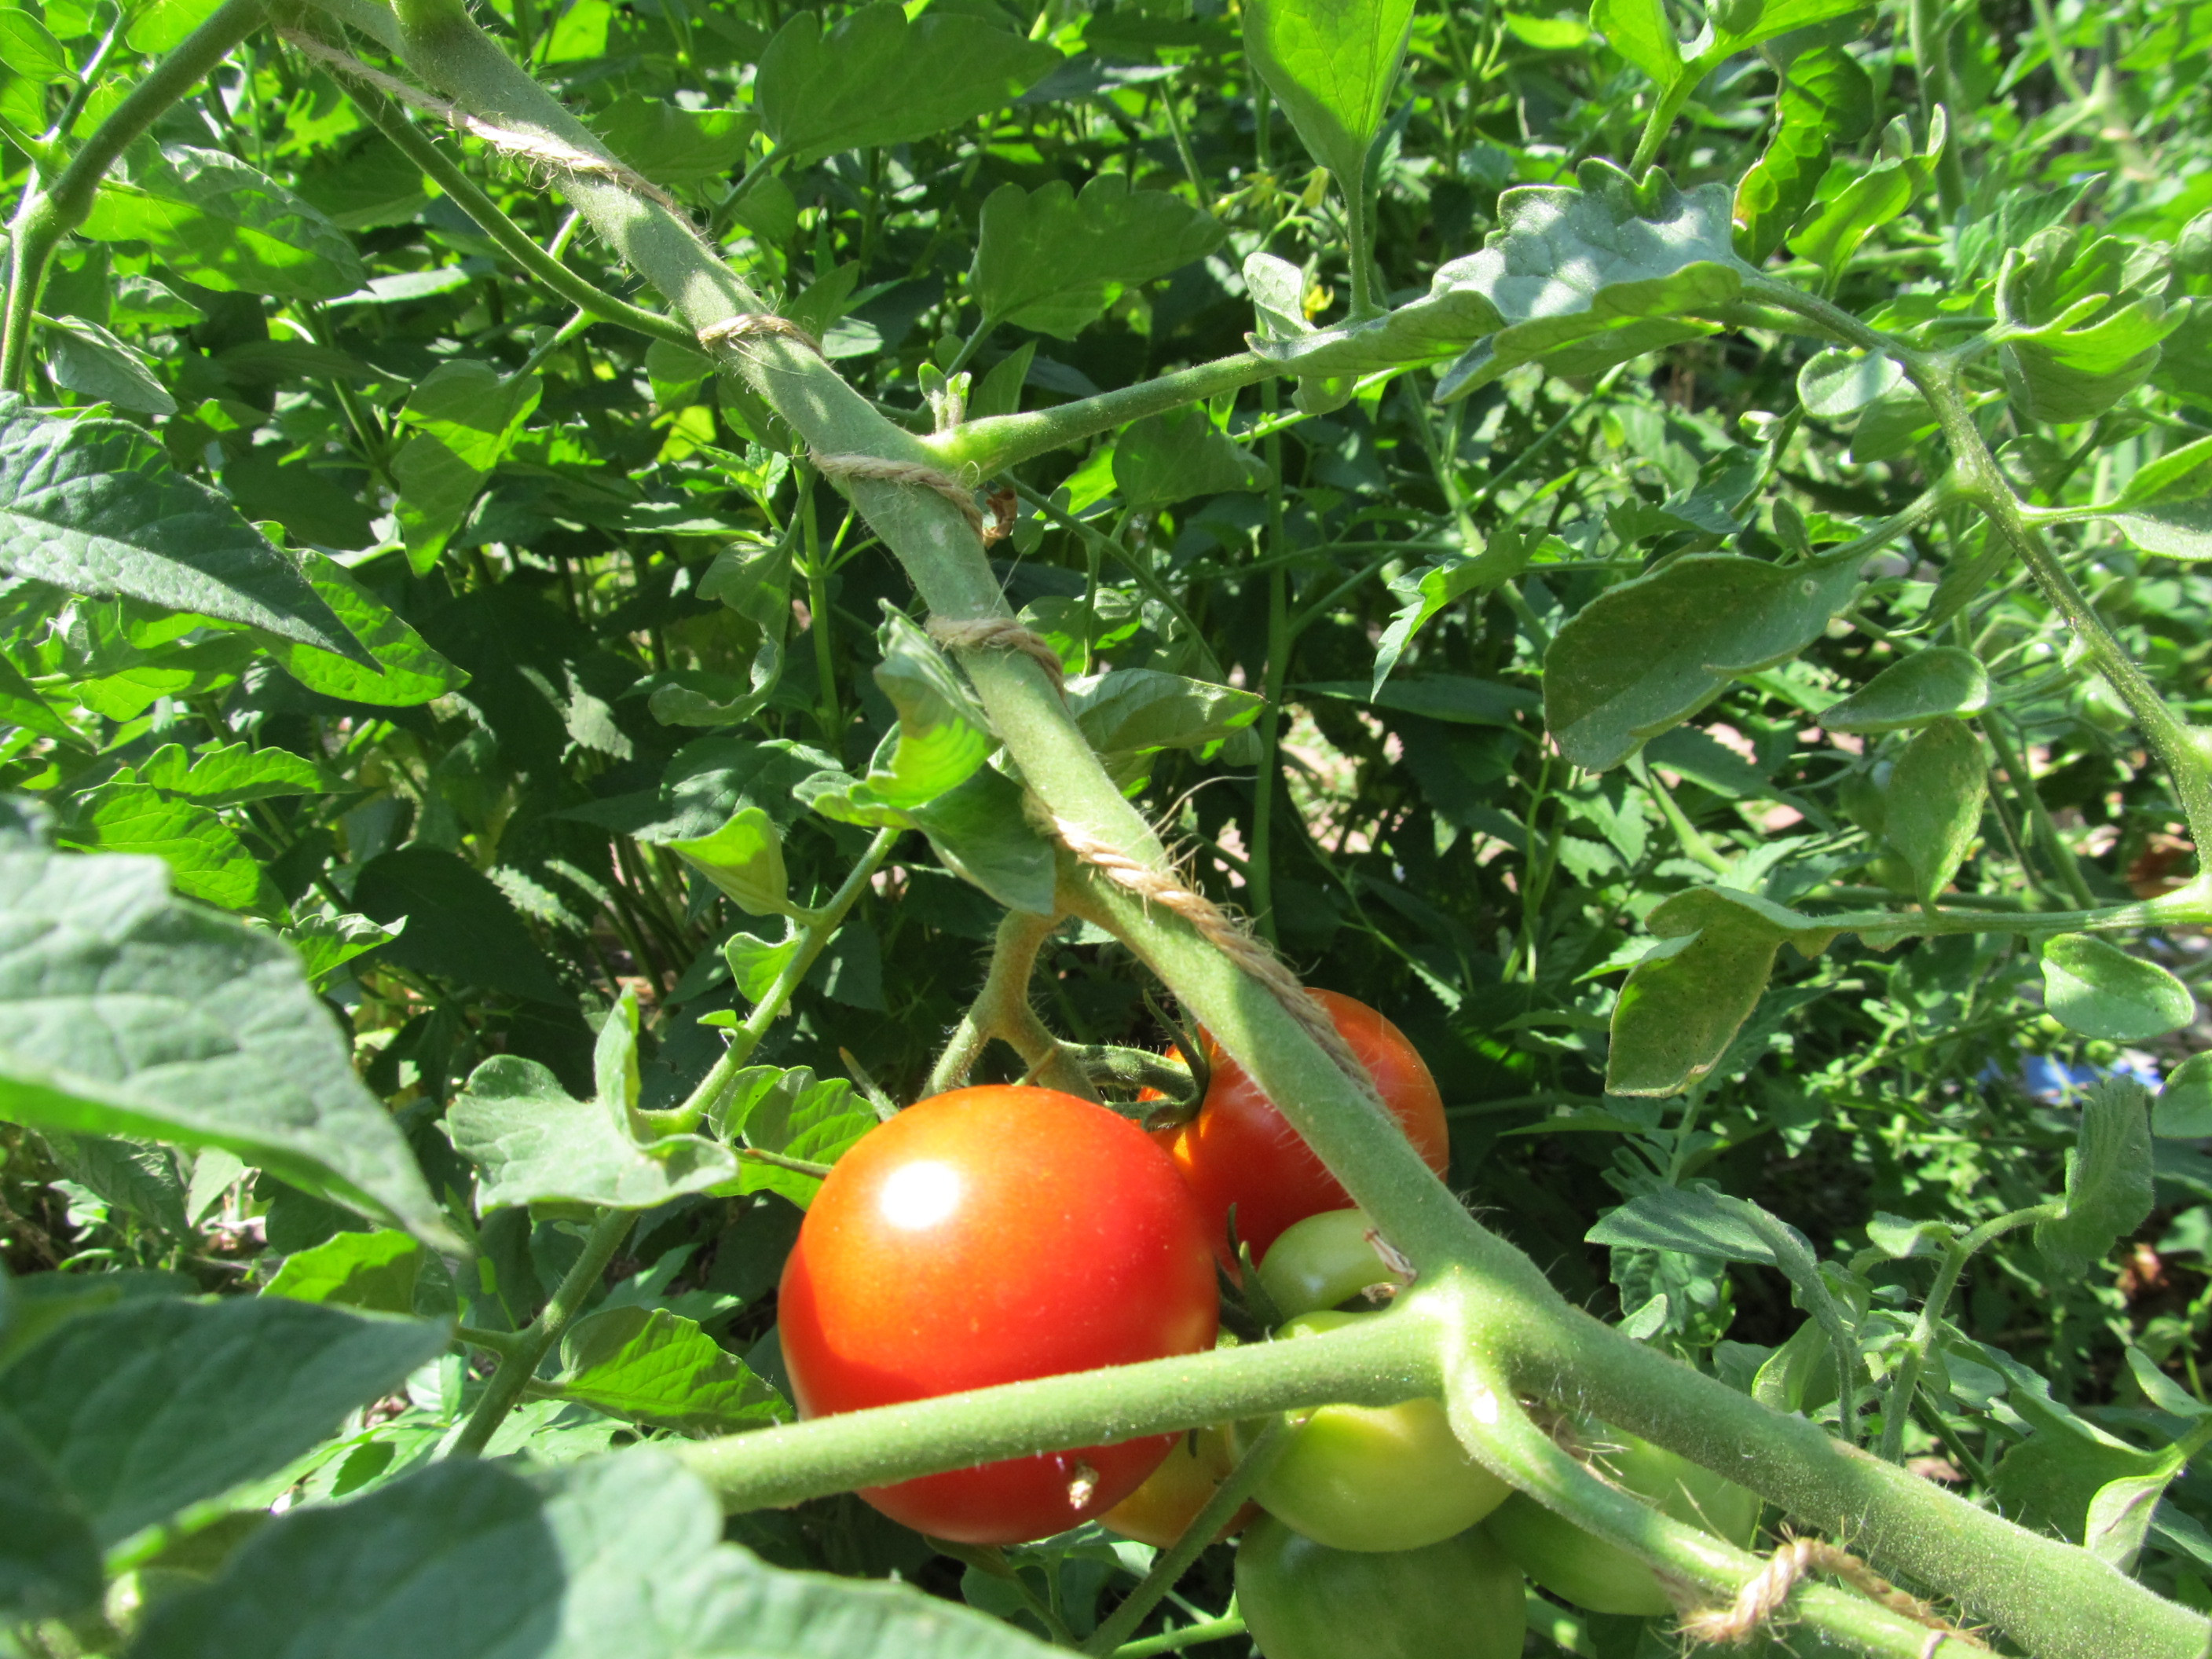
(1240, 1150)
(990, 1236)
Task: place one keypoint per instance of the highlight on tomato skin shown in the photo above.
(987, 1236)
(1241, 1152)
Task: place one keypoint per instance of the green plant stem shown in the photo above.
(515, 242)
(518, 1362)
(1687, 835)
(1097, 541)
(46, 215)
(818, 625)
(999, 442)
(1905, 1382)
(1170, 1564)
(1175, 1641)
(814, 936)
(1491, 1424)
(1001, 1010)
(1931, 56)
(2038, 815)
(1661, 121)
(1260, 866)
(1803, 1272)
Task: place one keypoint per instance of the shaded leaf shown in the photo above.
(49, 1559)
(86, 358)
(671, 145)
(1171, 457)
(1050, 259)
(2080, 323)
(1942, 680)
(1934, 801)
(1649, 654)
(876, 78)
(2183, 1111)
(2108, 1178)
(460, 926)
(652, 1366)
(983, 834)
(1838, 381)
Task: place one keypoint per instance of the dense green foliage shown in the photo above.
(1704, 581)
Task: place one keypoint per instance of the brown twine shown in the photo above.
(999, 634)
(903, 472)
(1758, 1601)
(1228, 934)
(539, 149)
(746, 324)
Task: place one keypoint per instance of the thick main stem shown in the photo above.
(47, 216)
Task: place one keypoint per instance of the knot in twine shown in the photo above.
(731, 330)
(1228, 934)
(1758, 1601)
(877, 467)
(999, 634)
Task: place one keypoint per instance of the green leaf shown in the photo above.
(2100, 990)
(228, 774)
(206, 859)
(28, 47)
(1171, 457)
(159, 25)
(1423, 593)
(1050, 259)
(407, 671)
(225, 225)
(879, 79)
(141, 1176)
(1331, 64)
(1649, 654)
(2080, 323)
(467, 417)
(131, 1014)
(1638, 31)
(745, 859)
(2120, 1515)
(1687, 998)
(532, 1141)
(372, 1270)
(86, 358)
(145, 1409)
(1935, 802)
(671, 145)
(35, 1304)
(2183, 1111)
(614, 1061)
(983, 834)
(1942, 680)
(613, 1555)
(325, 944)
(1689, 1220)
(1132, 713)
(22, 705)
(1831, 234)
(1825, 100)
(92, 506)
(942, 736)
(651, 1366)
(2173, 529)
(49, 1561)
(756, 964)
(1838, 382)
(461, 926)
(2108, 1179)
(790, 1114)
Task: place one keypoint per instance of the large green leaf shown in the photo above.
(460, 926)
(617, 1555)
(406, 670)
(143, 1410)
(92, 506)
(531, 1141)
(1649, 654)
(466, 417)
(2095, 988)
(227, 774)
(1686, 1000)
(206, 858)
(1331, 64)
(224, 224)
(49, 1559)
(1050, 259)
(1825, 100)
(2108, 1178)
(373, 1270)
(876, 78)
(129, 1013)
(653, 1366)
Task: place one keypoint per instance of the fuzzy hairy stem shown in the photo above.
(999, 442)
(1001, 1010)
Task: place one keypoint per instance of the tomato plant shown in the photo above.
(1157, 1512)
(988, 1236)
(1325, 1259)
(1243, 1158)
(1458, 1598)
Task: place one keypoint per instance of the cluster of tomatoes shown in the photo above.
(996, 1235)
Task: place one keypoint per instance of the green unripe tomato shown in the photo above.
(1578, 1567)
(1457, 1599)
(1364, 1478)
(1322, 1261)
(1575, 1566)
